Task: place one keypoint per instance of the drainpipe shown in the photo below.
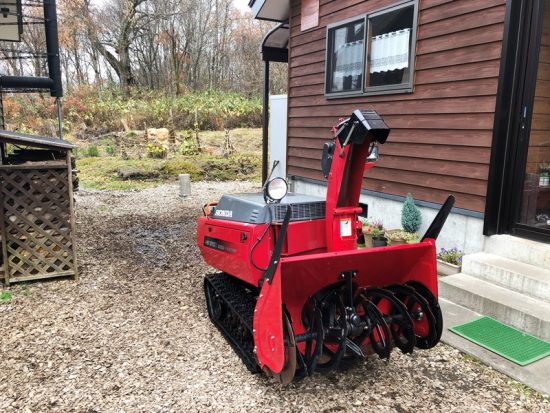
(265, 123)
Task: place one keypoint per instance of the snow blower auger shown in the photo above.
(294, 295)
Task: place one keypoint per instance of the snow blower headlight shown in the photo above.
(276, 189)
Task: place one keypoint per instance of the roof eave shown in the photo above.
(271, 10)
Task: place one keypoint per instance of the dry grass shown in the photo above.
(101, 172)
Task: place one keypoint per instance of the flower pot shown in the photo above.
(445, 268)
(379, 241)
(368, 240)
(396, 241)
(544, 180)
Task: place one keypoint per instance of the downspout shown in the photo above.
(267, 58)
(265, 123)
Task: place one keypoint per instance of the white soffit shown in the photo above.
(277, 39)
(274, 10)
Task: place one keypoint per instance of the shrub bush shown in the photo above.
(156, 151)
(104, 110)
(89, 152)
(411, 218)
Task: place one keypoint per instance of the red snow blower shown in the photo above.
(294, 295)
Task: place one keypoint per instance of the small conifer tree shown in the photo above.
(411, 218)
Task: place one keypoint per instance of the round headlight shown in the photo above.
(276, 189)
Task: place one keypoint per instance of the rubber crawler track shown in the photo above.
(237, 318)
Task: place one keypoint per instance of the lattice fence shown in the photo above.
(37, 225)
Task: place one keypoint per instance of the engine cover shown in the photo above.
(252, 208)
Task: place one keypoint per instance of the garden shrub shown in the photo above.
(411, 218)
(156, 151)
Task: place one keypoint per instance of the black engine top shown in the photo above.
(252, 208)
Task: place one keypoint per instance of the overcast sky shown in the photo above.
(240, 4)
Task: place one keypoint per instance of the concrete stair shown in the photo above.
(509, 281)
(519, 249)
(523, 278)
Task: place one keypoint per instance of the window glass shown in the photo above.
(389, 60)
(346, 57)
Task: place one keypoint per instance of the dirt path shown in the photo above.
(133, 335)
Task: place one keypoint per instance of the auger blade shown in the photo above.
(397, 317)
(379, 332)
(335, 325)
(425, 325)
(434, 305)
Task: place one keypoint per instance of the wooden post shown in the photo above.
(185, 185)
(72, 214)
(3, 238)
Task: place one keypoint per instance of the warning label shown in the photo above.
(345, 228)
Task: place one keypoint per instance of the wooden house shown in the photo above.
(464, 85)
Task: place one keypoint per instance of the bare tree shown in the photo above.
(166, 45)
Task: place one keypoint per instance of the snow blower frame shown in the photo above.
(294, 294)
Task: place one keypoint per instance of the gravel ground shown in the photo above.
(133, 334)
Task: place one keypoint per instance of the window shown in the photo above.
(346, 48)
(383, 63)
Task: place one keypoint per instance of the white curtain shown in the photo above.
(349, 62)
(390, 51)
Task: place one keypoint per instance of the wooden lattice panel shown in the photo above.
(37, 223)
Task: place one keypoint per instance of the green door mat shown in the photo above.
(503, 340)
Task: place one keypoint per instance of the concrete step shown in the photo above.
(519, 249)
(510, 307)
(514, 275)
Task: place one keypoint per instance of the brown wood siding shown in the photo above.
(539, 141)
(442, 132)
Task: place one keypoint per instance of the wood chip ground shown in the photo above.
(133, 335)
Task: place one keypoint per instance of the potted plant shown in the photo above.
(449, 261)
(378, 238)
(411, 237)
(396, 236)
(399, 237)
(368, 229)
(411, 218)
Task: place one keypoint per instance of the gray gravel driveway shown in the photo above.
(133, 335)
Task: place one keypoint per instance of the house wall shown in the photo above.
(441, 133)
(460, 231)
